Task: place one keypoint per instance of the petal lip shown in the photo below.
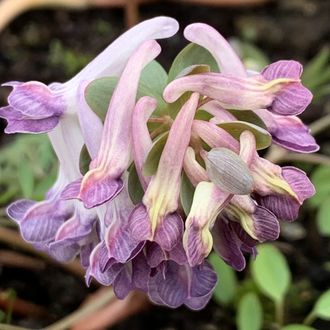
(289, 132)
(294, 98)
(209, 38)
(121, 49)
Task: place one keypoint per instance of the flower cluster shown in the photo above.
(170, 178)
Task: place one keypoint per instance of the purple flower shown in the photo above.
(103, 181)
(157, 219)
(36, 108)
(209, 189)
(288, 131)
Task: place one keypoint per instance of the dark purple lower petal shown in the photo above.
(198, 244)
(32, 125)
(288, 132)
(102, 268)
(139, 223)
(203, 280)
(227, 244)
(286, 207)
(169, 231)
(266, 226)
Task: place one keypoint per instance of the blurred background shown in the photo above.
(50, 41)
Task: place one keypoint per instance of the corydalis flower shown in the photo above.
(289, 132)
(103, 181)
(65, 228)
(156, 219)
(36, 108)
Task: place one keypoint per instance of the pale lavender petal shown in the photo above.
(230, 91)
(169, 231)
(112, 60)
(220, 114)
(121, 244)
(289, 132)
(292, 100)
(36, 100)
(283, 69)
(142, 142)
(209, 38)
(214, 136)
(194, 171)
(102, 182)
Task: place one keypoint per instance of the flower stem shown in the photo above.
(279, 313)
(310, 318)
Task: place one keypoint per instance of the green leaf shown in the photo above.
(316, 66)
(321, 180)
(84, 160)
(186, 193)
(99, 92)
(236, 128)
(323, 217)
(322, 306)
(203, 115)
(249, 314)
(297, 327)
(226, 288)
(135, 189)
(271, 273)
(151, 163)
(248, 116)
(154, 77)
(192, 54)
